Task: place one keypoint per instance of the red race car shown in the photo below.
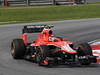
(50, 50)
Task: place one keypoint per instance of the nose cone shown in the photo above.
(68, 49)
(70, 52)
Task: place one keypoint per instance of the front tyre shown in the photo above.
(17, 48)
(42, 53)
(84, 52)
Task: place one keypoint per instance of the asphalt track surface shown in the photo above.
(78, 30)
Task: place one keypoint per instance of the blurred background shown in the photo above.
(43, 2)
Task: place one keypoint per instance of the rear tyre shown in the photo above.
(17, 48)
(84, 49)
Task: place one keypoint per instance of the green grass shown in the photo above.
(48, 13)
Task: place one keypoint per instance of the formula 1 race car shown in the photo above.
(48, 49)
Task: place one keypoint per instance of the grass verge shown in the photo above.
(11, 15)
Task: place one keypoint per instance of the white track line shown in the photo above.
(50, 22)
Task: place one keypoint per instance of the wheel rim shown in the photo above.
(38, 58)
(13, 49)
(81, 48)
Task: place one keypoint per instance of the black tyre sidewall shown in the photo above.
(19, 48)
(43, 50)
(84, 50)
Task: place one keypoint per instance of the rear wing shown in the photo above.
(36, 28)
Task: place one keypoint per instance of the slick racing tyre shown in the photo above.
(84, 49)
(18, 48)
(41, 54)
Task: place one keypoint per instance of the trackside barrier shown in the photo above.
(39, 2)
(44, 2)
(6, 3)
(0, 2)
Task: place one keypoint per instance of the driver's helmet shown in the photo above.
(47, 33)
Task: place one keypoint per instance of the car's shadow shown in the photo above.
(77, 66)
(96, 65)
